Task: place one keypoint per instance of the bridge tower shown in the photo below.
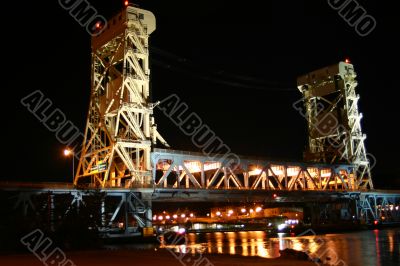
(334, 122)
(120, 129)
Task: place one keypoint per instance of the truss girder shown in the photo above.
(378, 207)
(176, 169)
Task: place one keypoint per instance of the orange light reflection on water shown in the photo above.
(354, 248)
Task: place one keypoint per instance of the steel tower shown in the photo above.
(334, 122)
(120, 128)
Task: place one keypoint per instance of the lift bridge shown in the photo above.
(121, 166)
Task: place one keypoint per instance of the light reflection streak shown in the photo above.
(281, 243)
(261, 251)
(252, 247)
(209, 246)
(219, 238)
(391, 243)
(378, 251)
(231, 238)
(245, 247)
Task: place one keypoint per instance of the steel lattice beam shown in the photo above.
(188, 170)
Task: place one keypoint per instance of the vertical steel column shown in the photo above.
(51, 207)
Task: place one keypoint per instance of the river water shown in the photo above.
(372, 247)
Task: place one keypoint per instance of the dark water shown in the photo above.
(374, 247)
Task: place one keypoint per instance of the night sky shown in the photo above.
(234, 64)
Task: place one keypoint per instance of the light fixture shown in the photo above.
(67, 152)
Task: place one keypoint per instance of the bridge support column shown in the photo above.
(339, 214)
(51, 208)
(103, 212)
(126, 213)
(149, 214)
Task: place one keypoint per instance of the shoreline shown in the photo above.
(154, 257)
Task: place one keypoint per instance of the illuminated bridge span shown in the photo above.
(179, 169)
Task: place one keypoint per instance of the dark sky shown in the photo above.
(234, 64)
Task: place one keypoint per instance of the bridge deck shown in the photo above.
(193, 194)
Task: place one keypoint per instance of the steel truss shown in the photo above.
(126, 212)
(120, 127)
(112, 213)
(381, 207)
(334, 122)
(177, 169)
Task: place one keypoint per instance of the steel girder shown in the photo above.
(381, 207)
(114, 213)
(177, 169)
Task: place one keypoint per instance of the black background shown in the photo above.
(234, 64)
